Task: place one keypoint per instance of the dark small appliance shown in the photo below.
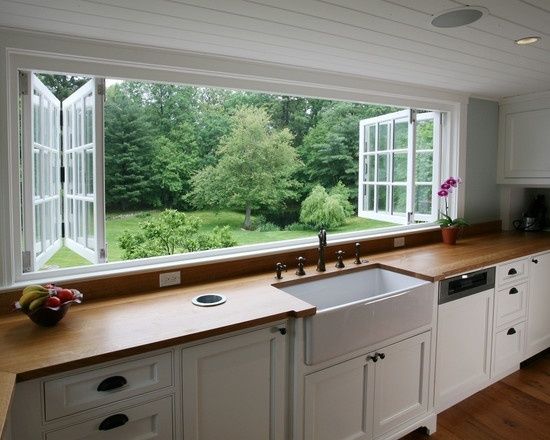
(534, 218)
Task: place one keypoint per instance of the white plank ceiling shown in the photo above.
(384, 39)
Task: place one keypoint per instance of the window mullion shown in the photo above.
(411, 146)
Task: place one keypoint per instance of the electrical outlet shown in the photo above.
(170, 279)
(398, 242)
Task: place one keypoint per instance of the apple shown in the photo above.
(52, 286)
(52, 301)
(65, 295)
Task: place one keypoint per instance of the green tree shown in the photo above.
(62, 86)
(255, 167)
(127, 153)
(170, 233)
(322, 209)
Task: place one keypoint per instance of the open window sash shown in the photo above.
(41, 172)
(83, 158)
(398, 167)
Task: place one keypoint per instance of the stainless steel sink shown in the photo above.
(358, 309)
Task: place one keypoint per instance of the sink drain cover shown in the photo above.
(209, 300)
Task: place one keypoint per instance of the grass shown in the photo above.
(117, 223)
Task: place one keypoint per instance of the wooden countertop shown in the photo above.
(7, 387)
(109, 329)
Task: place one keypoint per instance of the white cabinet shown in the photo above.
(235, 388)
(524, 140)
(463, 360)
(538, 320)
(371, 395)
(509, 345)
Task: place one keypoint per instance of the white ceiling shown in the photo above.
(384, 39)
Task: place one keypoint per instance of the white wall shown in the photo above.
(481, 190)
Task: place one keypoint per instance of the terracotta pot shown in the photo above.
(450, 235)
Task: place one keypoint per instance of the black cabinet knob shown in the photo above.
(113, 422)
(373, 358)
(513, 291)
(282, 331)
(112, 383)
(381, 355)
(512, 271)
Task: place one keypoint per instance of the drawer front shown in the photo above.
(511, 303)
(79, 392)
(509, 347)
(152, 420)
(508, 272)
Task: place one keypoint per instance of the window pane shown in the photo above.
(382, 205)
(425, 135)
(90, 235)
(383, 134)
(47, 123)
(79, 220)
(89, 172)
(383, 167)
(401, 134)
(399, 167)
(36, 119)
(370, 167)
(423, 199)
(78, 172)
(399, 199)
(38, 229)
(78, 124)
(371, 138)
(370, 206)
(68, 127)
(424, 167)
(88, 119)
(37, 170)
(47, 224)
(69, 173)
(70, 219)
(47, 173)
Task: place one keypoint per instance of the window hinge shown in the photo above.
(412, 116)
(100, 90)
(26, 260)
(62, 174)
(62, 229)
(23, 83)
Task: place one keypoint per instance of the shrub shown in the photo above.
(297, 227)
(325, 210)
(267, 227)
(170, 233)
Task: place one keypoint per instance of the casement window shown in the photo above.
(399, 166)
(62, 205)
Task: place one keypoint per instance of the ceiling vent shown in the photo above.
(458, 17)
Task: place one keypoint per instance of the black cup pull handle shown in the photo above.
(112, 383)
(512, 331)
(512, 271)
(534, 260)
(513, 291)
(113, 422)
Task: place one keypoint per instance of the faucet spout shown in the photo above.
(322, 245)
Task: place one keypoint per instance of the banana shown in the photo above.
(32, 295)
(37, 303)
(34, 287)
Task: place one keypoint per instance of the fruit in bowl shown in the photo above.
(47, 305)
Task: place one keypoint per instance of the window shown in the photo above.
(399, 166)
(124, 159)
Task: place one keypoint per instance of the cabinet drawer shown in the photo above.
(508, 272)
(509, 346)
(71, 394)
(146, 421)
(511, 303)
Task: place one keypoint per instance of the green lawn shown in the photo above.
(117, 223)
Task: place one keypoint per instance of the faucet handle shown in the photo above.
(279, 267)
(340, 259)
(300, 270)
(357, 253)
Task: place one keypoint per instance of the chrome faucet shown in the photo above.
(322, 245)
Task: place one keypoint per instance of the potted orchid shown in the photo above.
(449, 227)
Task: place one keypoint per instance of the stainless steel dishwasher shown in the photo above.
(464, 336)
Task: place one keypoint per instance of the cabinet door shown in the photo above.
(235, 388)
(463, 359)
(401, 383)
(337, 402)
(538, 323)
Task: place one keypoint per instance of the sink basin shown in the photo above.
(361, 308)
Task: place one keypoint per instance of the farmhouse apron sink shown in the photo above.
(358, 309)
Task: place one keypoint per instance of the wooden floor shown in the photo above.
(516, 408)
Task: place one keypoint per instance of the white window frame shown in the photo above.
(132, 63)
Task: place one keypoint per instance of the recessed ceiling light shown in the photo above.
(527, 40)
(458, 16)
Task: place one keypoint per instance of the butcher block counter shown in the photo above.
(112, 328)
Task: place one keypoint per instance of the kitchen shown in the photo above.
(158, 329)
